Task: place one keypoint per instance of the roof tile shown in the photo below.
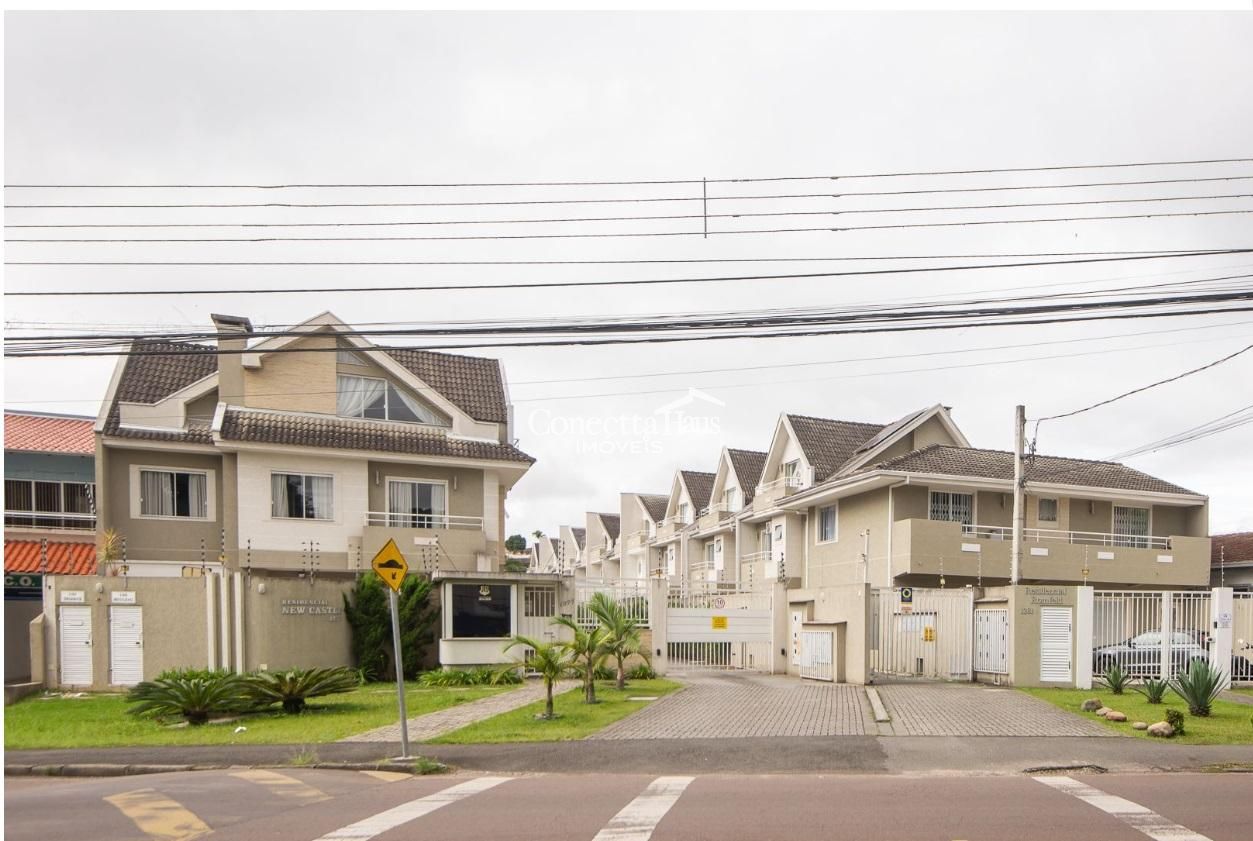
(748, 465)
(829, 444)
(49, 434)
(1231, 548)
(64, 558)
(699, 487)
(655, 505)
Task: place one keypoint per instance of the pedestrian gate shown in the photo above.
(817, 655)
(920, 632)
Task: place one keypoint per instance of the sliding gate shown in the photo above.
(719, 630)
(924, 633)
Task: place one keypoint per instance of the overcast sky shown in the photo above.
(235, 98)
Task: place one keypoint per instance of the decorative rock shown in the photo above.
(1139, 725)
(1091, 705)
(1161, 728)
(1115, 715)
(1102, 711)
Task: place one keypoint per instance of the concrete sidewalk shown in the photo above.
(777, 755)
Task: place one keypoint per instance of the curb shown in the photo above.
(876, 704)
(118, 770)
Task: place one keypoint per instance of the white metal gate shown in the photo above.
(922, 633)
(126, 645)
(818, 655)
(75, 633)
(1242, 638)
(720, 629)
(992, 641)
(1150, 634)
(1056, 644)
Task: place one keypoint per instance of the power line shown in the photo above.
(608, 183)
(629, 200)
(649, 218)
(583, 283)
(1231, 420)
(635, 234)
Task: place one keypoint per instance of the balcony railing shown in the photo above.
(1081, 538)
(421, 521)
(49, 520)
(755, 557)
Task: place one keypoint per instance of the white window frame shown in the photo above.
(1057, 509)
(305, 474)
(387, 501)
(387, 404)
(684, 512)
(834, 508)
(211, 511)
(794, 473)
(731, 499)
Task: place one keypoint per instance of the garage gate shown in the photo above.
(922, 632)
(719, 630)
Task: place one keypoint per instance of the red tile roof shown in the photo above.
(49, 434)
(1231, 548)
(63, 558)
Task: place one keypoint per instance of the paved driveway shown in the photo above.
(741, 705)
(965, 709)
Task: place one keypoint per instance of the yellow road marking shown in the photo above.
(158, 816)
(283, 785)
(388, 776)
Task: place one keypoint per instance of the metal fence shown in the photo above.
(992, 641)
(817, 655)
(631, 593)
(1242, 638)
(1149, 635)
(719, 656)
(719, 597)
(922, 633)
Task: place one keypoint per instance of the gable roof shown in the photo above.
(655, 505)
(699, 487)
(49, 433)
(156, 369)
(1235, 548)
(612, 524)
(829, 444)
(747, 465)
(999, 464)
(64, 558)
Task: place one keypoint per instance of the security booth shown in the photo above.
(481, 613)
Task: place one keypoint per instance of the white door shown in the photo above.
(75, 627)
(1056, 644)
(126, 645)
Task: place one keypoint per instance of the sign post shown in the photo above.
(389, 564)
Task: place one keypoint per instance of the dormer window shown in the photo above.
(685, 513)
(377, 399)
(792, 472)
(731, 499)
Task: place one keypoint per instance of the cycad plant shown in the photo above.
(1199, 686)
(588, 651)
(622, 633)
(294, 686)
(196, 699)
(552, 660)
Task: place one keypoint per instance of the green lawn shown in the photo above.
(1228, 724)
(101, 720)
(575, 719)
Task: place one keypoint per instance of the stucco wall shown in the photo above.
(18, 614)
(465, 500)
(839, 562)
(317, 636)
(849, 605)
(295, 382)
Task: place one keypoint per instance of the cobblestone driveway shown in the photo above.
(739, 705)
(956, 709)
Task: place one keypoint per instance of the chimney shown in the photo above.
(233, 332)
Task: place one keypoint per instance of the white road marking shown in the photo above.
(640, 817)
(1133, 814)
(405, 812)
(388, 776)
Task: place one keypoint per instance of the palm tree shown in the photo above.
(588, 650)
(553, 661)
(622, 632)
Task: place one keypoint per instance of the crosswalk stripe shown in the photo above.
(405, 812)
(282, 785)
(640, 817)
(1133, 814)
(388, 776)
(158, 816)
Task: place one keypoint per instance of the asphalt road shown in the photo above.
(293, 804)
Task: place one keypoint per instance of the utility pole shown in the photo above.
(865, 556)
(1015, 552)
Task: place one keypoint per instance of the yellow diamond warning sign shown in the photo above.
(390, 565)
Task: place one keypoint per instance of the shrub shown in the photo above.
(1153, 689)
(294, 686)
(370, 618)
(1199, 686)
(480, 676)
(1175, 719)
(196, 699)
(1116, 679)
(604, 673)
(192, 674)
(642, 672)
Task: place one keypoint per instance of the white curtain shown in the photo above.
(417, 504)
(356, 393)
(421, 414)
(278, 495)
(197, 503)
(156, 493)
(319, 491)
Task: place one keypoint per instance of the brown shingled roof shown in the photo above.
(748, 465)
(1231, 548)
(655, 505)
(346, 434)
(999, 464)
(828, 444)
(161, 368)
(699, 487)
(474, 384)
(612, 524)
(580, 535)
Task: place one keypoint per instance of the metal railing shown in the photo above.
(1150, 634)
(630, 593)
(49, 520)
(1082, 538)
(421, 521)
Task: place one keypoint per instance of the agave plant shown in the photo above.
(294, 686)
(1153, 689)
(1199, 686)
(1115, 678)
(196, 699)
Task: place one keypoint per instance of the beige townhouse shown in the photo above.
(545, 555)
(672, 554)
(570, 551)
(304, 452)
(640, 516)
(715, 536)
(601, 545)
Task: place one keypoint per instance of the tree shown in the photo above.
(370, 618)
(553, 661)
(588, 651)
(538, 534)
(622, 633)
(515, 543)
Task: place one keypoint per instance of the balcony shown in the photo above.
(927, 547)
(459, 539)
(49, 521)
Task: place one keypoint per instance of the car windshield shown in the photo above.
(1147, 640)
